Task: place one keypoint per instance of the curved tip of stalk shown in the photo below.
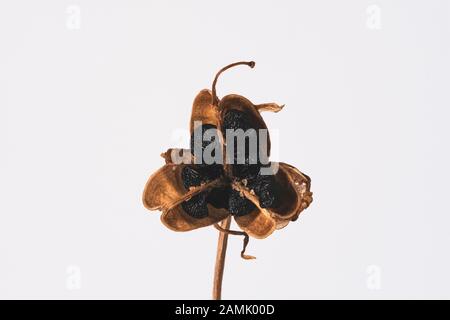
(215, 99)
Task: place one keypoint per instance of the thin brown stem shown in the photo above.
(238, 233)
(215, 100)
(220, 259)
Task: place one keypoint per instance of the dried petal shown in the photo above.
(291, 195)
(177, 156)
(178, 220)
(273, 107)
(294, 195)
(258, 224)
(203, 110)
(164, 187)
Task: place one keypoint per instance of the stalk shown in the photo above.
(220, 259)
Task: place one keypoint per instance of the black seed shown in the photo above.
(246, 171)
(196, 206)
(219, 197)
(265, 187)
(191, 177)
(200, 141)
(239, 206)
(235, 119)
(210, 171)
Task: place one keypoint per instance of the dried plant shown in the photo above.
(192, 194)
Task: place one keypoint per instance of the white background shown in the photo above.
(86, 109)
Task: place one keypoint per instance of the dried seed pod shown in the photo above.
(197, 195)
(192, 194)
(166, 190)
(293, 196)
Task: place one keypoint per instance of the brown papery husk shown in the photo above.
(165, 190)
(203, 110)
(295, 192)
(294, 189)
(164, 187)
(240, 103)
(177, 219)
(258, 224)
(206, 112)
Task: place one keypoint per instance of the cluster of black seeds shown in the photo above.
(196, 206)
(219, 197)
(192, 178)
(246, 171)
(264, 186)
(235, 120)
(238, 205)
(225, 198)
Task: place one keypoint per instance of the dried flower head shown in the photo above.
(192, 193)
